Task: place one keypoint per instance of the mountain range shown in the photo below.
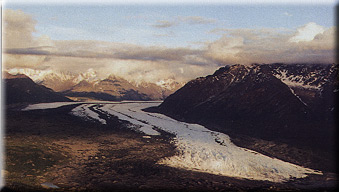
(88, 85)
(292, 103)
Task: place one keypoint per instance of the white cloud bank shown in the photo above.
(307, 32)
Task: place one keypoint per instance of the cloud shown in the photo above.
(310, 43)
(156, 53)
(27, 51)
(131, 61)
(225, 49)
(307, 32)
(164, 24)
(153, 63)
(133, 70)
(191, 20)
(21, 48)
(108, 50)
(22, 61)
(17, 29)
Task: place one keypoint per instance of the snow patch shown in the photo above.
(169, 84)
(295, 80)
(292, 91)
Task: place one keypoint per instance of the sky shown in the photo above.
(150, 41)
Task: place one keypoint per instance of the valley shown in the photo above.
(88, 137)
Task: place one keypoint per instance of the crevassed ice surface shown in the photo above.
(199, 149)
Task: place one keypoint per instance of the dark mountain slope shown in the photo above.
(253, 101)
(21, 89)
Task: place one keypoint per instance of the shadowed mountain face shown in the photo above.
(289, 103)
(21, 89)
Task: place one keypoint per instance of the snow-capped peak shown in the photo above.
(35, 75)
(169, 84)
(90, 76)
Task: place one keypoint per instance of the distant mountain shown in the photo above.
(117, 88)
(22, 89)
(291, 103)
(88, 85)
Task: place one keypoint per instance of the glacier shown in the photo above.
(198, 148)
